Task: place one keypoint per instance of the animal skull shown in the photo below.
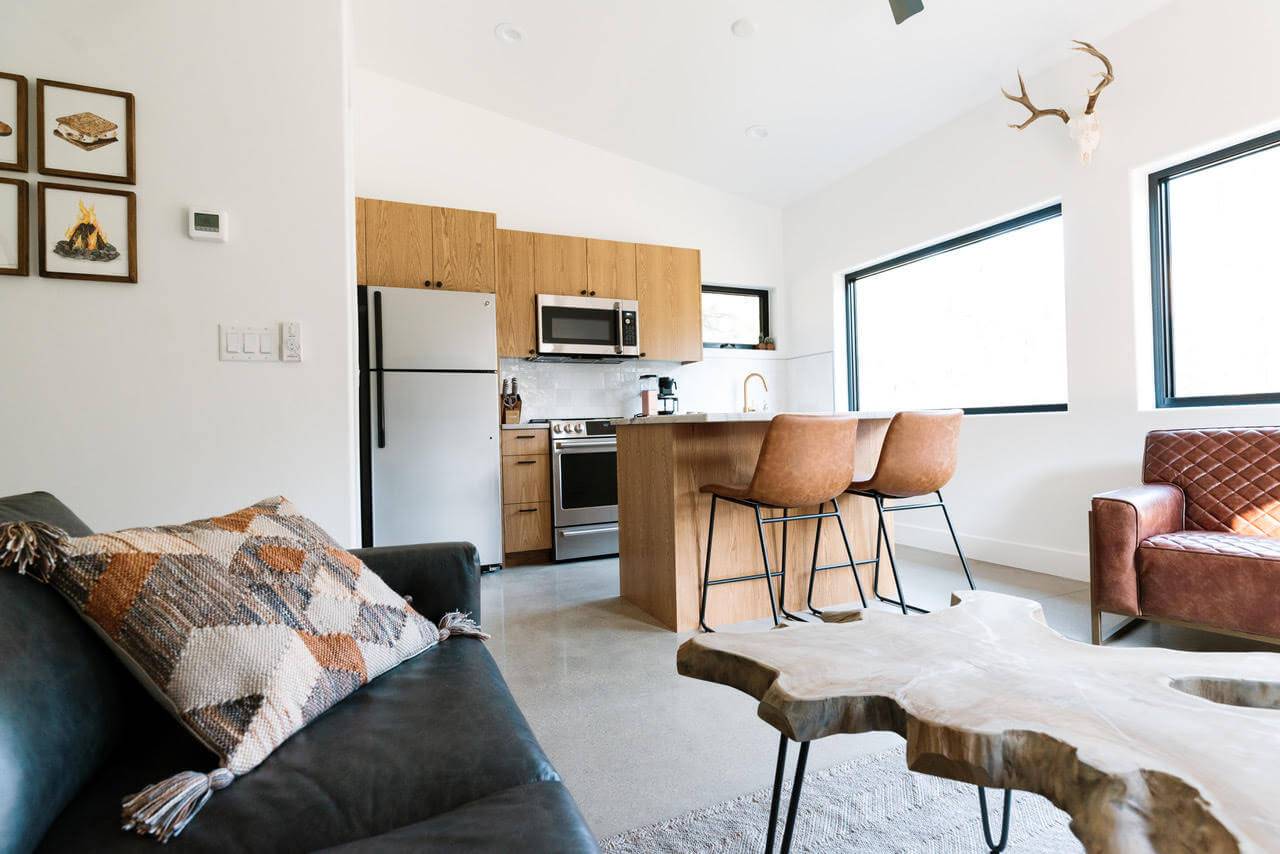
(1085, 129)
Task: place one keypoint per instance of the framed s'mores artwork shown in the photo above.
(13, 122)
(84, 132)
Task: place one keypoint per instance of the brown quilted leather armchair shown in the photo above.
(1198, 543)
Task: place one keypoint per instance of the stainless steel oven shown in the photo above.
(584, 488)
(587, 328)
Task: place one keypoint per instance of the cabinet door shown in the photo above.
(462, 247)
(361, 250)
(397, 244)
(517, 327)
(669, 288)
(611, 269)
(526, 527)
(526, 479)
(560, 265)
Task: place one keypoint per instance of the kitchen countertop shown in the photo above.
(525, 426)
(724, 417)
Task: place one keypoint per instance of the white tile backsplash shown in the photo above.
(558, 390)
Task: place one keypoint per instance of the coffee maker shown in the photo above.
(667, 395)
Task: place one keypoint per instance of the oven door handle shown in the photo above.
(571, 446)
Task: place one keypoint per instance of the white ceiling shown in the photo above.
(666, 83)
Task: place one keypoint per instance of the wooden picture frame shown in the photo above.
(129, 267)
(18, 128)
(63, 156)
(23, 231)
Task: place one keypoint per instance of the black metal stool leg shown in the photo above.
(782, 578)
(853, 565)
(996, 847)
(777, 795)
(959, 551)
(768, 573)
(875, 578)
(901, 601)
(794, 804)
(706, 572)
(813, 571)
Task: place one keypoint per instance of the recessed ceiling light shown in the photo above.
(757, 132)
(508, 33)
(743, 28)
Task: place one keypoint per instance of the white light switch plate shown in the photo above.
(247, 343)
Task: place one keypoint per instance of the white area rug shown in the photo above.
(869, 804)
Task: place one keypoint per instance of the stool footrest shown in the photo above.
(844, 565)
(758, 576)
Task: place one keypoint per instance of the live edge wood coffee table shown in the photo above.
(1147, 749)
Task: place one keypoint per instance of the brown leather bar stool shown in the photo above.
(918, 458)
(805, 461)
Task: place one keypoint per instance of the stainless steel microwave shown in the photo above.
(587, 329)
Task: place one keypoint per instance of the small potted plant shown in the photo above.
(766, 343)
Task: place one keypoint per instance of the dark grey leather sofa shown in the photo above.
(432, 756)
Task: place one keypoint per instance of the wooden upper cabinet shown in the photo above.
(361, 279)
(396, 244)
(463, 249)
(560, 265)
(515, 280)
(611, 269)
(669, 288)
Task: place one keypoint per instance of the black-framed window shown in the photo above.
(1215, 287)
(977, 322)
(734, 318)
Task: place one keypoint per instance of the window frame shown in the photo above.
(851, 312)
(1161, 296)
(761, 294)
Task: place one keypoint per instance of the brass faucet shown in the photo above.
(746, 401)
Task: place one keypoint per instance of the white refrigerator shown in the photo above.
(430, 460)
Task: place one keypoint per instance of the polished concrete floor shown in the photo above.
(637, 743)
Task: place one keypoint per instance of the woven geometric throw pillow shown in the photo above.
(245, 626)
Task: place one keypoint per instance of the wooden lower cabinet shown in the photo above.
(526, 527)
(525, 479)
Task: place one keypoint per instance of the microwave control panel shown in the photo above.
(629, 329)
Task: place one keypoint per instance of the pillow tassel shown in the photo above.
(32, 548)
(163, 809)
(456, 623)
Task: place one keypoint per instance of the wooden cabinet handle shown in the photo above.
(439, 284)
(528, 436)
(427, 283)
(526, 462)
(593, 293)
(583, 292)
(529, 510)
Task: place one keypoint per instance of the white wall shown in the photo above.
(418, 146)
(1191, 78)
(113, 395)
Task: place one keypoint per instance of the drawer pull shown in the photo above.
(530, 436)
(526, 462)
(529, 510)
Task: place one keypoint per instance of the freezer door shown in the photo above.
(437, 478)
(432, 330)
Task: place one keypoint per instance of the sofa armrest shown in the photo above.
(441, 577)
(1118, 522)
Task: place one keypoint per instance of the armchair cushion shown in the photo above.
(1119, 522)
(441, 577)
(1228, 581)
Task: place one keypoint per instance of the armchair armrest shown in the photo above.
(441, 577)
(1118, 522)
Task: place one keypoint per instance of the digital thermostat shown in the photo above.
(203, 224)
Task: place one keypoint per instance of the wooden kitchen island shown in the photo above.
(662, 521)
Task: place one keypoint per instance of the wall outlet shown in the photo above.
(291, 341)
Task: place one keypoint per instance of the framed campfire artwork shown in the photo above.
(13, 122)
(84, 132)
(88, 233)
(15, 244)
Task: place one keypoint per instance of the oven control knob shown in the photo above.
(555, 428)
(577, 428)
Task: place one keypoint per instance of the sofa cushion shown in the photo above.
(60, 710)
(1227, 581)
(1231, 476)
(537, 818)
(439, 731)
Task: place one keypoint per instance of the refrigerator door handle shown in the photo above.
(377, 368)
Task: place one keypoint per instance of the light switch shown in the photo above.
(247, 343)
(291, 338)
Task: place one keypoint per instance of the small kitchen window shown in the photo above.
(734, 318)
